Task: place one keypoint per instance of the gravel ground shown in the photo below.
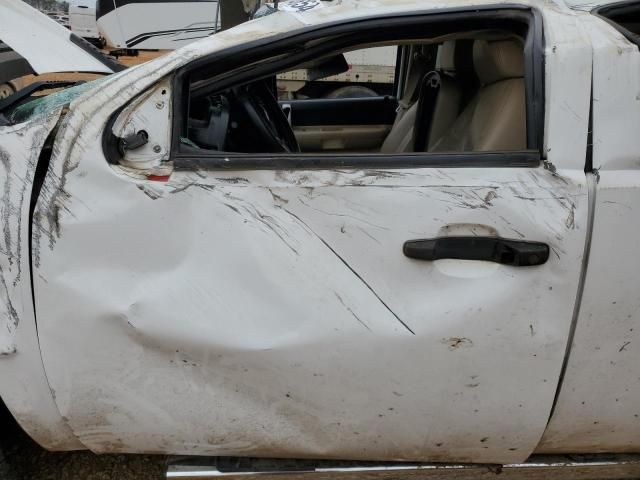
(22, 459)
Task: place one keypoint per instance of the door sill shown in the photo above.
(567, 467)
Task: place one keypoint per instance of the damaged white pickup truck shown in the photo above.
(444, 274)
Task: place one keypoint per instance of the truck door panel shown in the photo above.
(273, 312)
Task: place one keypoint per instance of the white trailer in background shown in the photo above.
(156, 25)
(82, 20)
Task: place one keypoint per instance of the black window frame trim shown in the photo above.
(188, 158)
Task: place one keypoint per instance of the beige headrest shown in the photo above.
(447, 56)
(499, 60)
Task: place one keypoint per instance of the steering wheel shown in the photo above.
(272, 128)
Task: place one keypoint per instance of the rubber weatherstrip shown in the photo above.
(592, 178)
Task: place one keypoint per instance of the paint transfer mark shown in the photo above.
(570, 222)
(489, 197)
(351, 312)
(455, 343)
(233, 180)
(183, 188)
(550, 166)
(149, 192)
(277, 198)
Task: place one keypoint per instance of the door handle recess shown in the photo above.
(517, 253)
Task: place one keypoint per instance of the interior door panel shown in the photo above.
(345, 124)
(343, 111)
(343, 138)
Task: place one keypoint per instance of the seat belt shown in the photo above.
(429, 91)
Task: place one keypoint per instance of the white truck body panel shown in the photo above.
(598, 407)
(158, 25)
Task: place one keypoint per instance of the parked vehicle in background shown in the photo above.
(60, 17)
(12, 67)
(82, 20)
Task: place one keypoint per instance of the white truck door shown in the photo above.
(273, 312)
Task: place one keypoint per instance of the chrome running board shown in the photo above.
(565, 467)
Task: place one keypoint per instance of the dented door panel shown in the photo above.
(274, 314)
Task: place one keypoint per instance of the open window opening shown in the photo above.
(625, 17)
(422, 86)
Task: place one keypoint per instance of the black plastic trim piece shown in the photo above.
(110, 141)
(106, 60)
(515, 253)
(233, 66)
(349, 111)
(42, 167)
(240, 161)
(534, 83)
(588, 165)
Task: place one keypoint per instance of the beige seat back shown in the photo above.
(401, 137)
(495, 119)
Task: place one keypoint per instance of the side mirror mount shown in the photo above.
(139, 135)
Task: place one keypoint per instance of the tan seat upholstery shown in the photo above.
(495, 119)
(400, 138)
